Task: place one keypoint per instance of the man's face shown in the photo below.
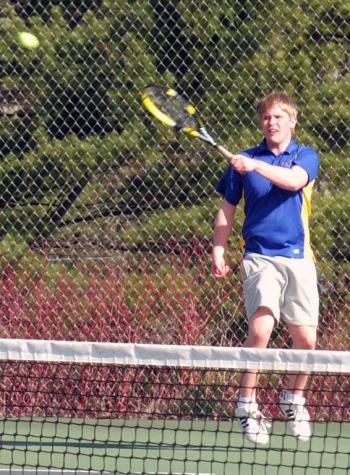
(277, 125)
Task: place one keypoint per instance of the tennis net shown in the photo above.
(79, 407)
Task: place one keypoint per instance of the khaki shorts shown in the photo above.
(286, 286)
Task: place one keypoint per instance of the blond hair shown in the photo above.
(277, 98)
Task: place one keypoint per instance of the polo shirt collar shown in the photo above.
(290, 149)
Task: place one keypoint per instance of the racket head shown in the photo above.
(171, 109)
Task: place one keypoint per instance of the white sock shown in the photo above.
(245, 401)
(290, 397)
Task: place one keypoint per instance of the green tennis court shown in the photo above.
(53, 446)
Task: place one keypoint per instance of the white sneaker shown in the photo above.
(297, 417)
(254, 424)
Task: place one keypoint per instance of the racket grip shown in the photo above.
(225, 152)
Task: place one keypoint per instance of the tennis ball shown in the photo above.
(27, 40)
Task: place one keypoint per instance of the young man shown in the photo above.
(279, 277)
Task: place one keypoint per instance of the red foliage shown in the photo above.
(97, 303)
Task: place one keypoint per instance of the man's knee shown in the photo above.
(261, 325)
(303, 337)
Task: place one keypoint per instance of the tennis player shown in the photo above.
(279, 277)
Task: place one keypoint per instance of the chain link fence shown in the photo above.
(106, 218)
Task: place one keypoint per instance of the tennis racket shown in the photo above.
(174, 110)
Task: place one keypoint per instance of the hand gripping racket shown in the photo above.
(173, 110)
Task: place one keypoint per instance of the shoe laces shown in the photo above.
(301, 413)
(263, 422)
(296, 412)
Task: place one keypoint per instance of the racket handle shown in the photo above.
(225, 152)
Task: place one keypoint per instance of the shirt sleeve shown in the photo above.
(230, 186)
(308, 159)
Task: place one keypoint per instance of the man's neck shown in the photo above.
(278, 148)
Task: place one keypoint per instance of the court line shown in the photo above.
(82, 472)
(116, 445)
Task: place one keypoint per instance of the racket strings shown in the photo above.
(176, 108)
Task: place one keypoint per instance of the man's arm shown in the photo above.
(292, 179)
(222, 231)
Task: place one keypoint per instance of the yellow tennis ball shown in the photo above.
(27, 40)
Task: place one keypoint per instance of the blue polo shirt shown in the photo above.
(276, 220)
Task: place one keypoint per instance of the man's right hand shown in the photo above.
(219, 268)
